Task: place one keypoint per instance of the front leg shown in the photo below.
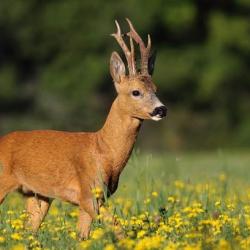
(87, 213)
(84, 224)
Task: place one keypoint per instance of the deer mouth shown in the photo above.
(158, 113)
(156, 118)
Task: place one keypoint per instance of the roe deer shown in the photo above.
(47, 164)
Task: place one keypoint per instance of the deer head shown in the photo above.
(136, 90)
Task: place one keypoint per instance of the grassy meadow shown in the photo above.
(184, 201)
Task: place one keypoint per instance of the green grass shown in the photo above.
(157, 188)
(150, 171)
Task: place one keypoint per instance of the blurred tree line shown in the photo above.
(54, 59)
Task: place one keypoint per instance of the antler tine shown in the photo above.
(143, 49)
(118, 28)
(132, 55)
(149, 43)
(128, 54)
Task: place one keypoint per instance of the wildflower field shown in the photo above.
(178, 201)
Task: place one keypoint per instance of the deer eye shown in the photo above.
(136, 93)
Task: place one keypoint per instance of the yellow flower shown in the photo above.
(18, 247)
(109, 247)
(97, 234)
(31, 237)
(149, 243)
(231, 206)
(72, 235)
(141, 233)
(147, 201)
(2, 239)
(171, 199)
(154, 194)
(222, 177)
(131, 234)
(85, 244)
(24, 216)
(193, 235)
(245, 243)
(97, 192)
(16, 236)
(164, 228)
(217, 203)
(194, 210)
(126, 243)
(179, 184)
(74, 213)
(35, 246)
(171, 246)
(225, 218)
(224, 245)
(54, 211)
(193, 247)
(17, 224)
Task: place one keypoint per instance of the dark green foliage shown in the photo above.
(54, 70)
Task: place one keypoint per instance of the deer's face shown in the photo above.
(136, 95)
(136, 91)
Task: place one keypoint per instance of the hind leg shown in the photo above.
(7, 184)
(37, 208)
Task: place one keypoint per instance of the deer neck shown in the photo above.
(118, 136)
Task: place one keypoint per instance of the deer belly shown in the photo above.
(50, 186)
(68, 194)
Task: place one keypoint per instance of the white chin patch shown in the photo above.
(156, 118)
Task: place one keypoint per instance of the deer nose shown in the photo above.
(160, 111)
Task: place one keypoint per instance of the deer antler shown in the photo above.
(129, 54)
(143, 49)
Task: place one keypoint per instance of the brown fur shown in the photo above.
(54, 164)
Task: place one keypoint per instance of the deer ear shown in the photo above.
(151, 63)
(117, 67)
